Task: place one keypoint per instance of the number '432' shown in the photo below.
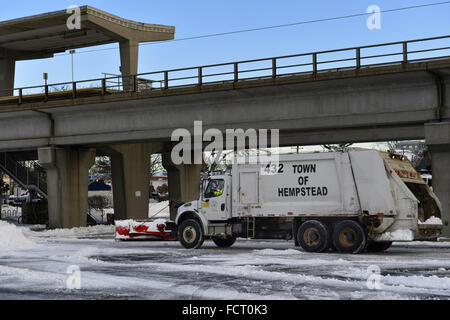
(273, 168)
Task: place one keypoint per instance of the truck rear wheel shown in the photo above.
(190, 234)
(378, 246)
(313, 236)
(224, 242)
(349, 237)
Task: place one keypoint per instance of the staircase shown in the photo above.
(28, 178)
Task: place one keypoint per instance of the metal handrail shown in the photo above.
(131, 83)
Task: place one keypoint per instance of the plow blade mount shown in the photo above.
(144, 230)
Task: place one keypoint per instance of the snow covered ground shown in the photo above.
(40, 264)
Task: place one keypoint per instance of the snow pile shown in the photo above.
(126, 227)
(432, 220)
(152, 226)
(424, 244)
(398, 235)
(12, 238)
(78, 232)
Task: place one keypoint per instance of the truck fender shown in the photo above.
(193, 215)
(385, 224)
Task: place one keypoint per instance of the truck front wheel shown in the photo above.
(224, 242)
(190, 234)
(313, 236)
(349, 237)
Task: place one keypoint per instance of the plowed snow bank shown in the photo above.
(12, 238)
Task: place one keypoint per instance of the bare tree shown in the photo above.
(156, 164)
(102, 165)
(215, 160)
(336, 147)
(392, 145)
(222, 160)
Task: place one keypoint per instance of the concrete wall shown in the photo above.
(438, 139)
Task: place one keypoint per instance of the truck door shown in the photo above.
(248, 192)
(214, 200)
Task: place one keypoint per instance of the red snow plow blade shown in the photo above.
(143, 230)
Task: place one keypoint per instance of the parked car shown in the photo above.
(16, 201)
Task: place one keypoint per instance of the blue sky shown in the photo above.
(193, 18)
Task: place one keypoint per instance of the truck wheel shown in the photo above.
(373, 246)
(190, 234)
(224, 242)
(313, 236)
(349, 237)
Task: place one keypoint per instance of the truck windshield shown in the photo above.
(215, 188)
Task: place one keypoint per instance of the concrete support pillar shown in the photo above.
(129, 54)
(67, 184)
(184, 182)
(7, 71)
(130, 165)
(437, 136)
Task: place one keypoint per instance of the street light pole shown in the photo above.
(72, 52)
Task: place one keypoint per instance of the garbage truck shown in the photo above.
(348, 201)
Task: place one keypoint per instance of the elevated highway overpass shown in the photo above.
(373, 104)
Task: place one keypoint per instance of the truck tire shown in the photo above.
(224, 242)
(190, 234)
(373, 246)
(349, 237)
(313, 236)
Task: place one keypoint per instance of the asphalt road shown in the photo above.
(90, 265)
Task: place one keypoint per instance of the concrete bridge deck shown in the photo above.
(388, 102)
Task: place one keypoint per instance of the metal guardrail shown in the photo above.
(305, 63)
(10, 213)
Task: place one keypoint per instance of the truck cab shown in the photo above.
(215, 199)
(210, 211)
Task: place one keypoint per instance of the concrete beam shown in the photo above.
(67, 184)
(437, 137)
(7, 73)
(129, 55)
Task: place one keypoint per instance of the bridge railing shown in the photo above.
(282, 66)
